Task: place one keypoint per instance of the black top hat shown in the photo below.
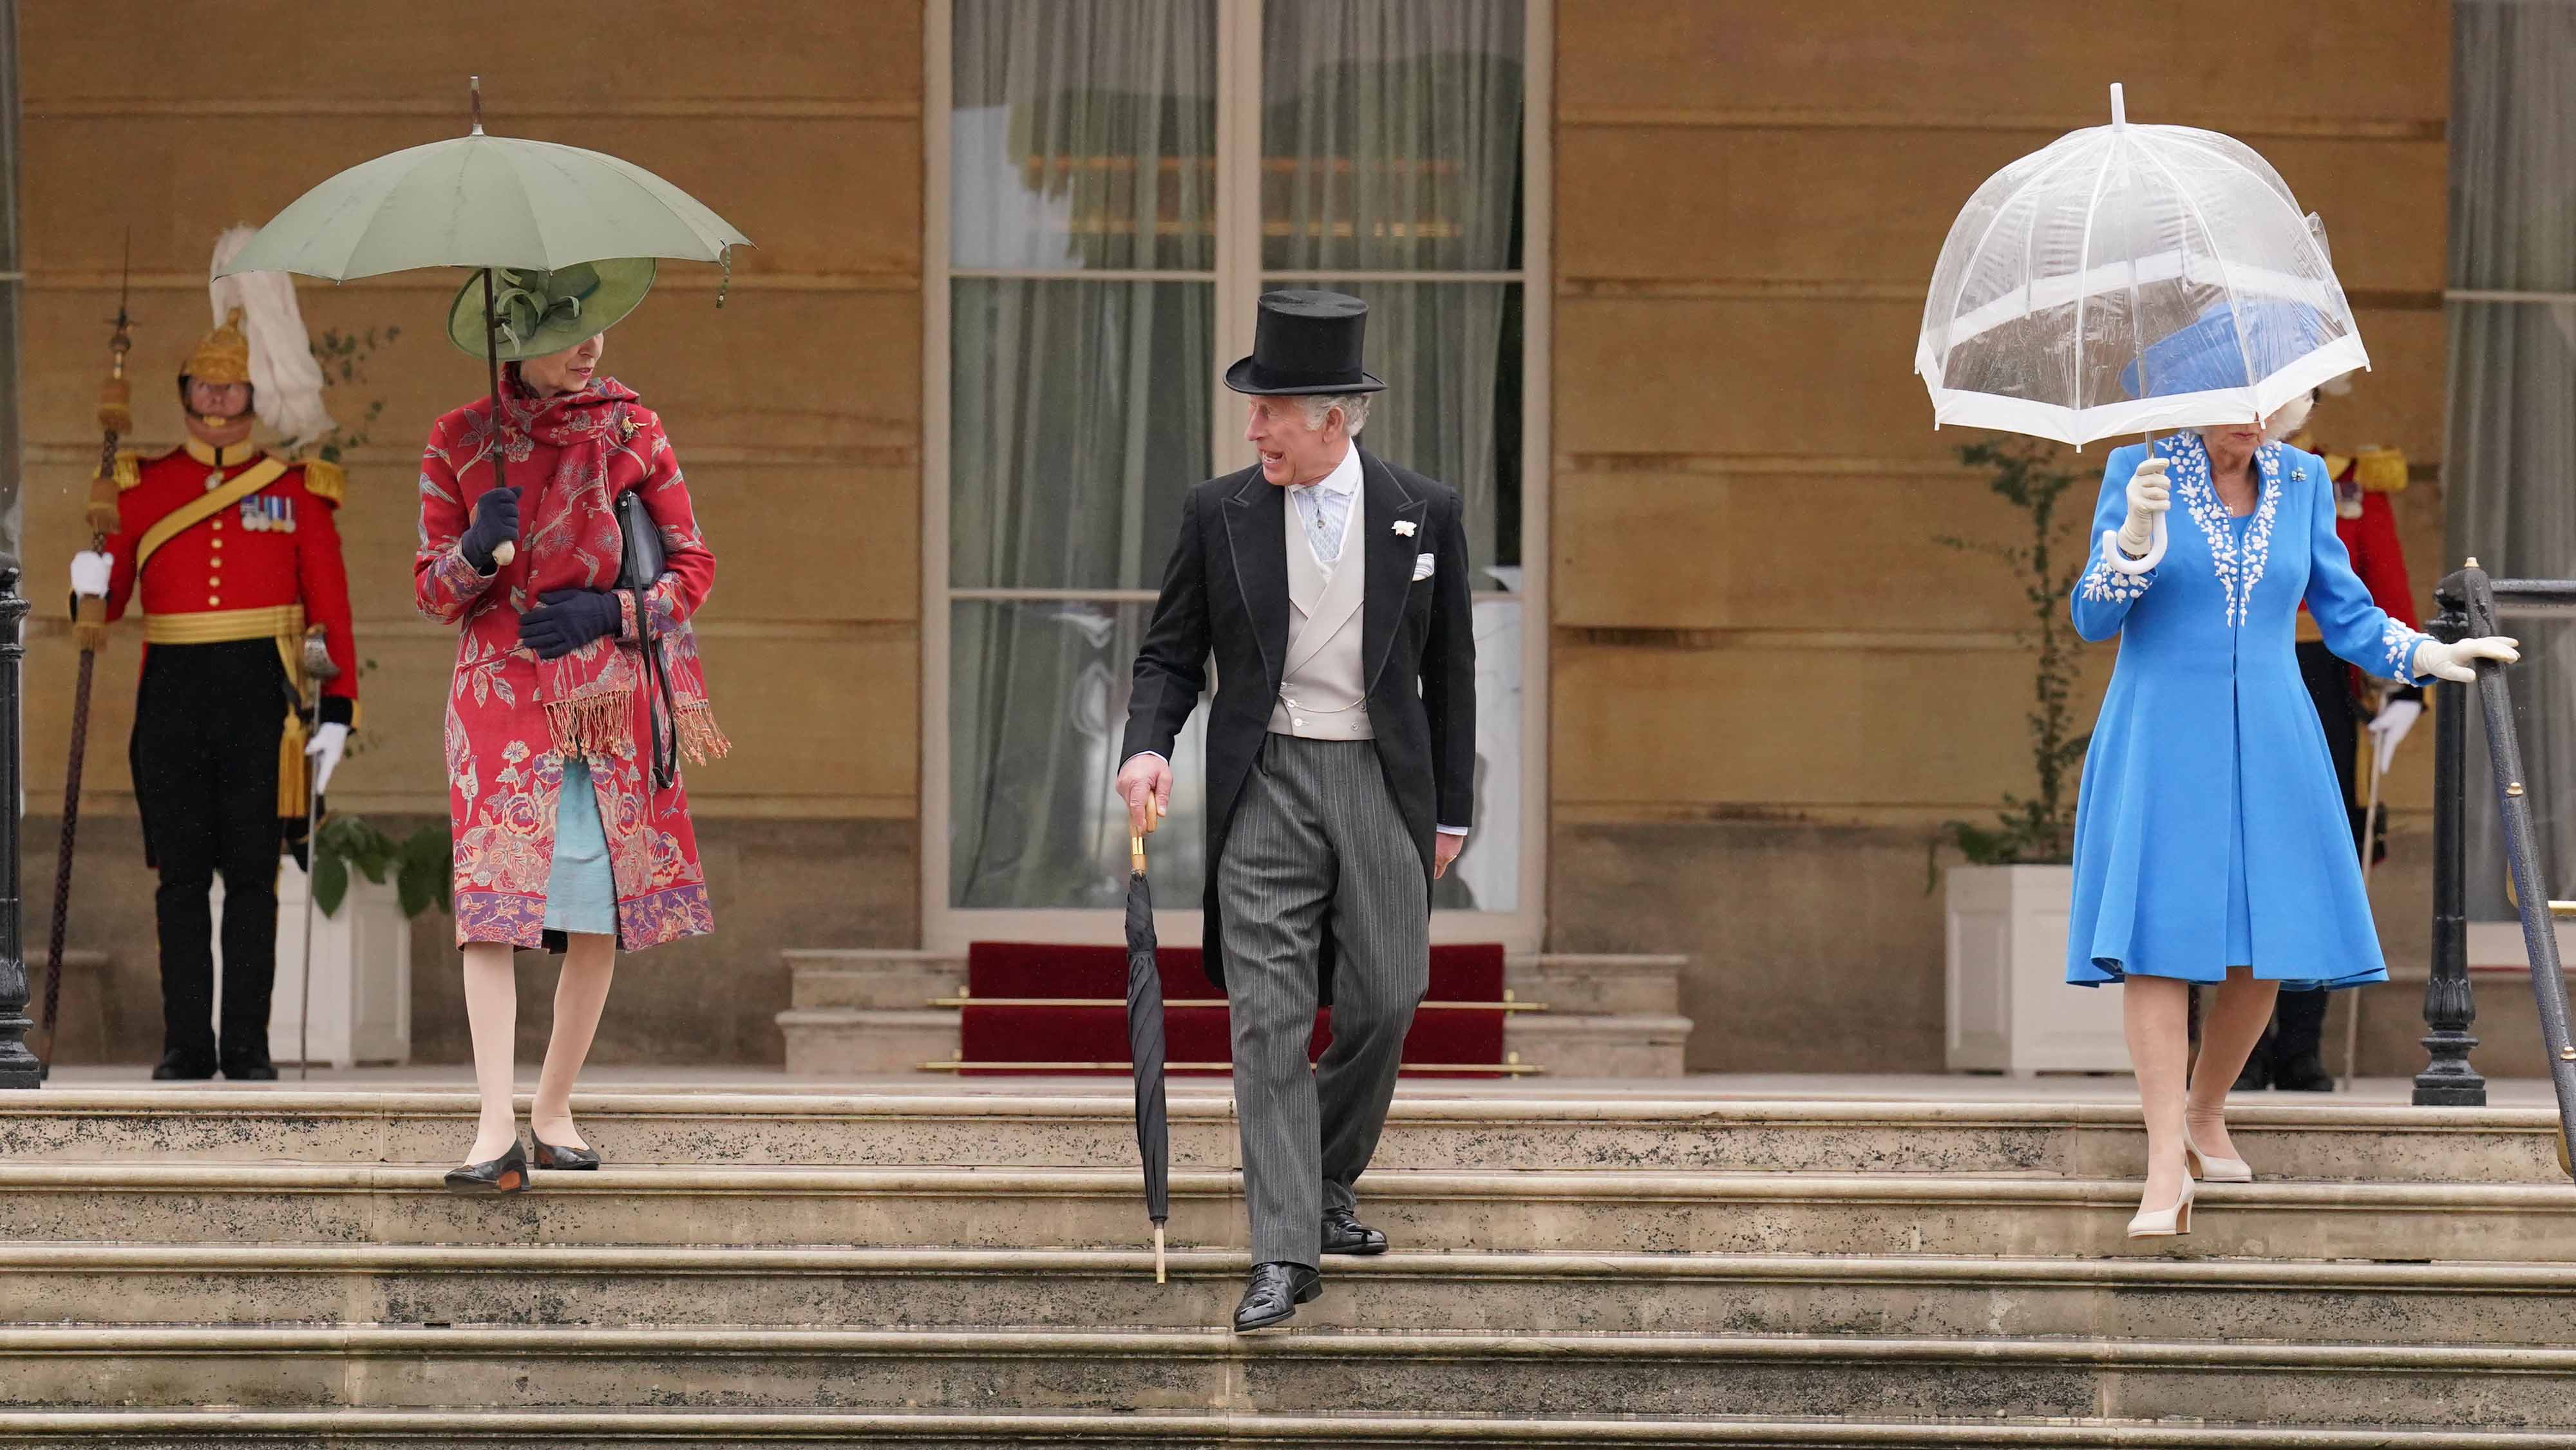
(1305, 342)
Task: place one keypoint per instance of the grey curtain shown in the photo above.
(1083, 138)
(2510, 468)
(1392, 142)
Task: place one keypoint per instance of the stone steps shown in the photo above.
(864, 1012)
(1596, 1212)
(926, 1266)
(1520, 1376)
(1226, 1430)
(1093, 1128)
(1928, 1297)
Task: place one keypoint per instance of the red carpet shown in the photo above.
(1034, 1008)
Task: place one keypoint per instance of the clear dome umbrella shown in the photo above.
(2131, 278)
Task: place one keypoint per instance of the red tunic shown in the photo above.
(2370, 537)
(279, 546)
(503, 774)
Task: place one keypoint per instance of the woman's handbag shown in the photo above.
(639, 568)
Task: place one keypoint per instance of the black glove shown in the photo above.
(496, 520)
(567, 619)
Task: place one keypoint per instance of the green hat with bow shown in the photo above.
(540, 312)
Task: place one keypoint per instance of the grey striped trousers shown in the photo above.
(1317, 838)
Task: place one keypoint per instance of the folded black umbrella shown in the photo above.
(1146, 1049)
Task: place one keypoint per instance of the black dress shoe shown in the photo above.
(505, 1174)
(178, 1066)
(546, 1155)
(1274, 1294)
(261, 1071)
(1345, 1234)
(2304, 1073)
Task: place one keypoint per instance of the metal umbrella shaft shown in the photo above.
(1147, 1049)
(505, 551)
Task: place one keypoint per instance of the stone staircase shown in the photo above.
(932, 1268)
(862, 1013)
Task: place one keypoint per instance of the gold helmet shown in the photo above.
(222, 356)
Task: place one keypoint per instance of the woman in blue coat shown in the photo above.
(2211, 840)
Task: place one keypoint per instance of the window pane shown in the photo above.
(1083, 134)
(1037, 706)
(1078, 418)
(1487, 875)
(1391, 135)
(1450, 353)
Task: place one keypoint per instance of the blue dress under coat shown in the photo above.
(2210, 830)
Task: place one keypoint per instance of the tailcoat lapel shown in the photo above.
(1256, 530)
(1390, 559)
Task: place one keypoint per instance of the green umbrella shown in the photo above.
(488, 202)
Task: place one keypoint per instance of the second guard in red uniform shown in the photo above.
(2290, 1056)
(232, 553)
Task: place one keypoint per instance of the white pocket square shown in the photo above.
(1422, 566)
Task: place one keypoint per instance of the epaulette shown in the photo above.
(2380, 470)
(129, 468)
(323, 479)
(2336, 463)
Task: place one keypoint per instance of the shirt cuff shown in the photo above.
(1141, 754)
(1453, 830)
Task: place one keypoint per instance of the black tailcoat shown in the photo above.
(1225, 596)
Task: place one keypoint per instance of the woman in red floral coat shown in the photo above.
(562, 835)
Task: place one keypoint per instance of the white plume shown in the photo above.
(286, 381)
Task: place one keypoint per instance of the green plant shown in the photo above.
(2038, 829)
(343, 356)
(422, 865)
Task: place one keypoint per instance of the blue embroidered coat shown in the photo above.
(2208, 791)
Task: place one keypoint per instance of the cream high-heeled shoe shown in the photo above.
(2213, 1170)
(2164, 1222)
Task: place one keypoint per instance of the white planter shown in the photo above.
(2010, 1007)
(361, 974)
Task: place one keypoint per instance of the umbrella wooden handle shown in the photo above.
(503, 552)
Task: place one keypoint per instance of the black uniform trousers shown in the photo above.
(2299, 1018)
(206, 733)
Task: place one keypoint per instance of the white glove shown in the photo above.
(91, 571)
(328, 743)
(2452, 661)
(2390, 726)
(2149, 497)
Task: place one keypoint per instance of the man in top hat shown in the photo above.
(234, 553)
(1331, 589)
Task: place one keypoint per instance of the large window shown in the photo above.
(1116, 181)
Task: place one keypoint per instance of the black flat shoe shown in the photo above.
(177, 1066)
(1345, 1234)
(546, 1155)
(505, 1174)
(1274, 1294)
(261, 1071)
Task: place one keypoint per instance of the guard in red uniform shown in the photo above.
(235, 553)
(2289, 1056)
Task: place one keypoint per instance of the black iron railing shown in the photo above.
(2472, 604)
